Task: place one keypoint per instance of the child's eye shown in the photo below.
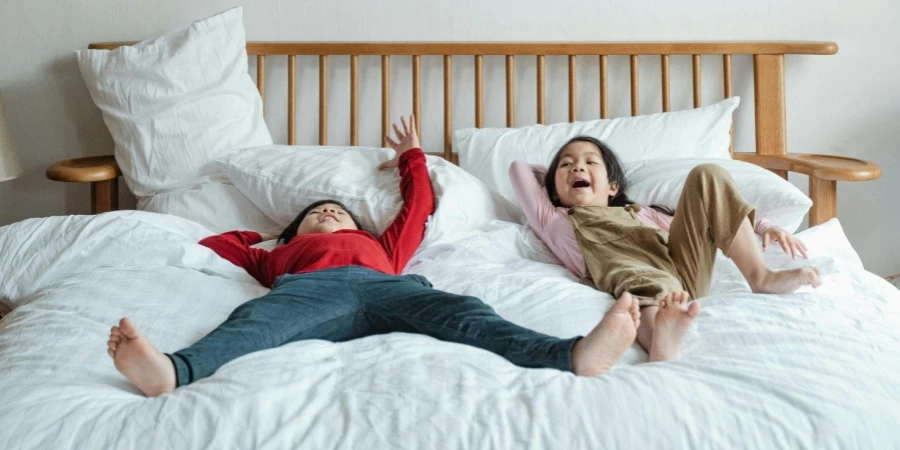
(565, 164)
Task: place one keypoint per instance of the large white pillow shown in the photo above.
(219, 207)
(660, 181)
(282, 180)
(696, 133)
(176, 103)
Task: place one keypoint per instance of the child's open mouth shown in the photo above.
(581, 184)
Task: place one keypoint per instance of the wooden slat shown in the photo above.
(448, 120)
(479, 91)
(635, 97)
(768, 80)
(604, 87)
(261, 80)
(726, 73)
(354, 100)
(572, 88)
(696, 71)
(666, 100)
(528, 48)
(540, 89)
(510, 91)
(292, 100)
(417, 92)
(385, 95)
(323, 100)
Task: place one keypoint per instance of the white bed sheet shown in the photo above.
(808, 370)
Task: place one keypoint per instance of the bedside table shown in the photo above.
(101, 171)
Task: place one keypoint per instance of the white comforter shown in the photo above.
(808, 370)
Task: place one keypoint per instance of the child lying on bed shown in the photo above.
(617, 246)
(332, 281)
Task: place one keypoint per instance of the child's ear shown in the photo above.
(613, 190)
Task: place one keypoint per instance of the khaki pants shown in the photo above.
(621, 254)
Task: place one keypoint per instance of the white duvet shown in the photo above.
(816, 369)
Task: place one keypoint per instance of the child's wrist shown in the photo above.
(411, 149)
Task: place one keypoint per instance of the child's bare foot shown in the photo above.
(145, 366)
(673, 320)
(786, 281)
(597, 352)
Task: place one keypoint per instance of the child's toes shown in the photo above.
(694, 309)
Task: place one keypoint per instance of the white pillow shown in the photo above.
(282, 180)
(176, 103)
(660, 181)
(219, 207)
(703, 132)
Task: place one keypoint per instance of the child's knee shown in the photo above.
(705, 173)
(708, 169)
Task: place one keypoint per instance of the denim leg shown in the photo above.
(409, 304)
(317, 305)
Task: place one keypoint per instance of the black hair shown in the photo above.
(291, 231)
(615, 175)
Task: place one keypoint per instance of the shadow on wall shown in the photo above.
(868, 209)
(92, 135)
(52, 118)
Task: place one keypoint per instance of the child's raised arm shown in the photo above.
(526, 180)
(545, 219)
(403, 236)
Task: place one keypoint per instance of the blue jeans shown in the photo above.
(345, 303)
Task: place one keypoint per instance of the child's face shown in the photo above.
(326, 218)
(581, 178)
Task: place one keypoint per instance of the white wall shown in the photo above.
(845, 104)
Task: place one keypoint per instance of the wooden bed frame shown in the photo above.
(768, 79)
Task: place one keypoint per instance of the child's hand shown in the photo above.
(406, 140)
(267, 236)
(791, 245)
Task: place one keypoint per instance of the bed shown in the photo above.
(813, 369)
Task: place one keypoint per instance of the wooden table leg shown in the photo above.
(824, 195)
(104, 196)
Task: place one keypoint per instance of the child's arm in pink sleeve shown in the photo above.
(531, 196)
(762, 225)
(549, 224)
(653, 218)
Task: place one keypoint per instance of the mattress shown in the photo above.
(814, 369)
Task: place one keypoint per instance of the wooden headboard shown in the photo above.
(768, 83)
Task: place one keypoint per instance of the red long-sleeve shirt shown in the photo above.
(317, 251)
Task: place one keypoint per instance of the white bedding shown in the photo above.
(808, 370)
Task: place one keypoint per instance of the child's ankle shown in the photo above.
(758, 278)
